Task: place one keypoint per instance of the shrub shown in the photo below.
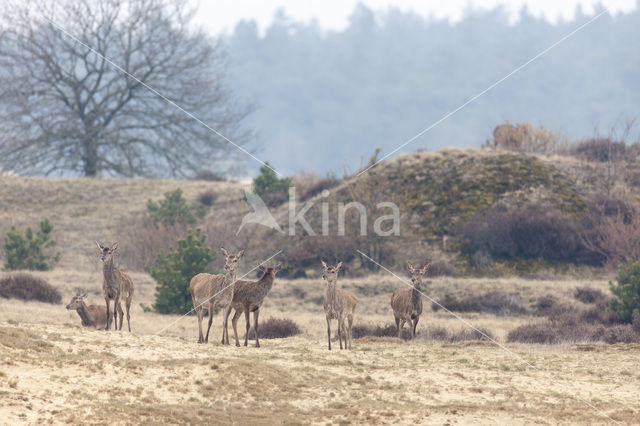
(142, 243)
(495, 302)
(27, 287)
(171, 211)
(174, 270)
(267, 182)
(28, 251)
(627, 292)
(441, 334)
(274, 199)
(571, 331)
(542, 332)
(530, 232)
(523, 137)
(545, 304)
(276, 328)
(307, 253)
(599, 150)
(369, 330)
(588, 294)
(611, 230)
(208, 175)
(207, 198)
(323, 184)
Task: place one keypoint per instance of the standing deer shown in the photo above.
(210, 292)
(338, 304)
(91, 315)
(407, 303)
(116, 285)
(248, 297)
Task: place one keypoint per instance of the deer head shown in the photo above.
(77, 301)
(270, 271)
(231, 260)
(416, 274)
(106, 252)
(330, 273)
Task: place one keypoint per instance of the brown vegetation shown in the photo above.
(24, 286)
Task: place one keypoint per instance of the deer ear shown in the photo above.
(425, 268)
(114, 247)
(278, 267)
(262, 268)
(324, 264)
(226, 254)
(241, 253)
(84, 294)
(99, 245)
(339, 265)
(410, 266)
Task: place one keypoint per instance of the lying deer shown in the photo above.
(407, 302)
(117, 284)
(248, 297)
(91, 315)
(338, 304)
(210, 292)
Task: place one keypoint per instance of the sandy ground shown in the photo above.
(54, 371)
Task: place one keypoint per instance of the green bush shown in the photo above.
(627, 291)
(28, 251)
(174, 271)
(172, 210)
(274, 191)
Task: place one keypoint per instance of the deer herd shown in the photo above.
(225, 292)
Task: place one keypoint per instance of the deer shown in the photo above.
(407, 303)
(91, 315)
(116, 285)
(211, 292)
(248, 297)
(338, 304)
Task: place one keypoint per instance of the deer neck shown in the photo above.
(82, 312)
(229, 276)
(415, 295)
(264, 284)
(108, 269)
(331, 290)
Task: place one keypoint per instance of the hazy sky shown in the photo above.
(222, 15)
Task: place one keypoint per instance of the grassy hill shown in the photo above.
(436, 192)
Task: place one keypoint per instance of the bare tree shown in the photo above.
(67, 108)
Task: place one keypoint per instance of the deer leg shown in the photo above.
(329, 330)
(225, 323)
(121, 312)
(199, 310)
(116, 305)
(210, 312)
(106, 299)
(255, 326)
(226, 326)
(340, 326)
(234, 322)
(350, 329)
(247, 322)
(397, 324)
(410, 323)
(128, 306)
(415, 324)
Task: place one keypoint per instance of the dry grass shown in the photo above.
(54, 370)
(85, 210)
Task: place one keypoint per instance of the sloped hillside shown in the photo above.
(435, 191)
